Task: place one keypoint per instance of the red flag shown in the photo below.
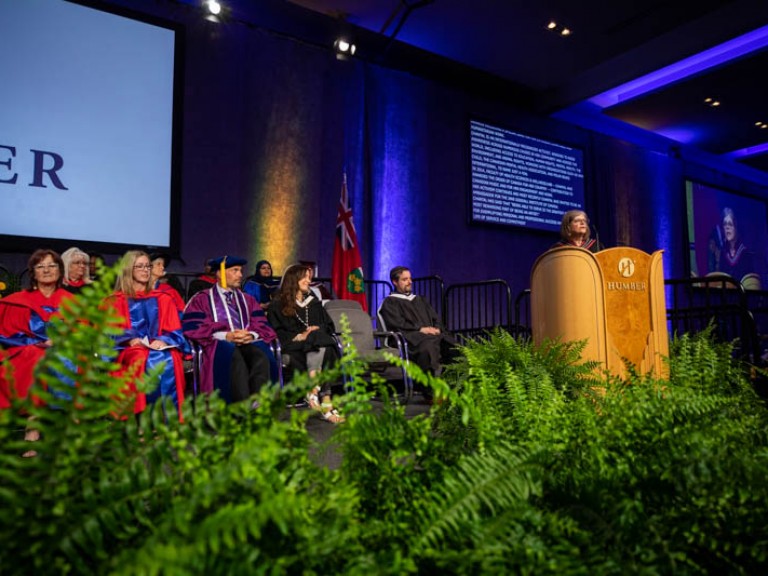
(347, 273)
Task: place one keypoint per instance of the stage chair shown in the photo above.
(365, 339)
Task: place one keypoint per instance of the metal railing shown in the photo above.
(472, 309)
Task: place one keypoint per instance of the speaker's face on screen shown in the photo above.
(729, 228)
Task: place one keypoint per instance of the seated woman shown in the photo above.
(157, 280)
(76, 269)
(262, 285)
(305, 332)
(152, 331)
(574, 231)
(24, 318)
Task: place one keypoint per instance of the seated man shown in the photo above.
(428, 344)
(234, 334)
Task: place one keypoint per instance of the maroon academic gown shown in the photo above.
(206, 313)
(24, 318)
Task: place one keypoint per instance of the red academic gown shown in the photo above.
(24, 318)
(155, 317)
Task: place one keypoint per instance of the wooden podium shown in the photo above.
(613, 299)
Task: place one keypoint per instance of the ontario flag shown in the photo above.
(347, 272)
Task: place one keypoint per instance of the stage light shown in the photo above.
(559, 29)
(213, 7)
(344, 48)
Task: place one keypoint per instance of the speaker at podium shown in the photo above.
(613, 299)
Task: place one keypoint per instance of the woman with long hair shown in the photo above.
(151, 332)
(575, 231)
(305, 332)
(734, 257)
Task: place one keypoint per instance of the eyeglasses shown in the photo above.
(46, 266)
(143, 266)
(584, 220)
(79, 263)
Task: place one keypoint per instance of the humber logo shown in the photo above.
(626, 267)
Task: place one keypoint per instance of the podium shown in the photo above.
(613, 299)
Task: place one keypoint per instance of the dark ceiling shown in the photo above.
(611, 43)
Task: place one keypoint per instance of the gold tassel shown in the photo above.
(223, 270)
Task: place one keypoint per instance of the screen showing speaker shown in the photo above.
(522, 180)
(727, 234)
(86, 126)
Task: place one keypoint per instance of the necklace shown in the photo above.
(304, 320)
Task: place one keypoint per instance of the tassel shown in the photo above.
(223, 270)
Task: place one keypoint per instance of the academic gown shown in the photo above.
(407, 314)
(24, 318)
(178, 301)
(288, 327)
(738, 265)
(152, 316)
(206, 314)
(592, 245)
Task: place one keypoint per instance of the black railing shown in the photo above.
(432, 289)
(695, 303)
(474, 308)
(522, 325)
(375, 292)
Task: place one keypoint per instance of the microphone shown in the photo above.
(596, 234)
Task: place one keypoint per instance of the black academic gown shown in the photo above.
(407, 314)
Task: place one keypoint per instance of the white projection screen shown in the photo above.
(87, 131)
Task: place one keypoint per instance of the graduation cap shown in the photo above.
(164, 256)
(222, 263)
(228, 261)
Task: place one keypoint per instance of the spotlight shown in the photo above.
(553, 26)
(344, 48)
(213, 7)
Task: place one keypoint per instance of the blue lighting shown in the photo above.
(748, 151)
(735, 48)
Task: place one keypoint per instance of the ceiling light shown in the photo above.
(344, 48)
(553, 26)
(214, 7)
(711, 102)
